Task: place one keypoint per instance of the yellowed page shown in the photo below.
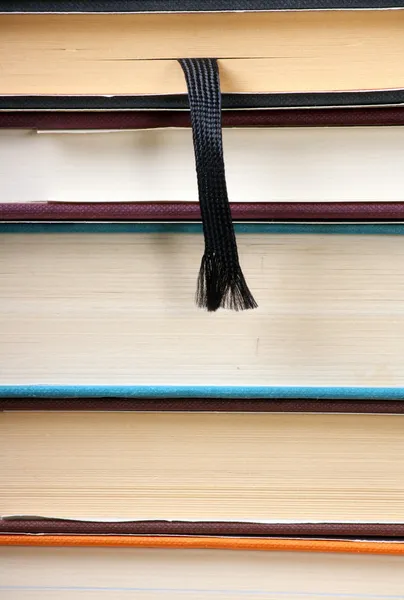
(260, 52)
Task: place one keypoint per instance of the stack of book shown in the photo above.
(151, 447)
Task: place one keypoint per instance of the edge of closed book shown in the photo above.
(211, 543)
(190, 211)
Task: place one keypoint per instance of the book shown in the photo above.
(207, 467)
(185, 210)
(112, 305)
(266, 52)
(197, 568)
(286, 165)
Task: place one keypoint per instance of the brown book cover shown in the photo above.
(29, 400)
(62, 527)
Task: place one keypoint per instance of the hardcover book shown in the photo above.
(76, 58)
(304, 166)
(113, 305)
(215, 473)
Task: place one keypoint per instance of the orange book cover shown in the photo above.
(218, 543)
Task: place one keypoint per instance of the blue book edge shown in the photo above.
(195, 391)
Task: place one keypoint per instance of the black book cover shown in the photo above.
(133, 6)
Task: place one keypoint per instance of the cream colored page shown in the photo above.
(258, 53)
(76, 38)
(262, 165)
(119, 309)
(146, 77)
(33, 573)
(203, 467)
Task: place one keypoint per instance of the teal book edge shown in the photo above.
(203, 391)
(192, 228)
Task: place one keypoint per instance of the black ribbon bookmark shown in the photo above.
(221, 282)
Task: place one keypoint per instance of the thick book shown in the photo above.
(140, 166)
(111, 304)
(30, 189)
(269, 52)
(113, 567)
(214, 472)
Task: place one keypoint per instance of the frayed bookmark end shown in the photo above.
(219, 286)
